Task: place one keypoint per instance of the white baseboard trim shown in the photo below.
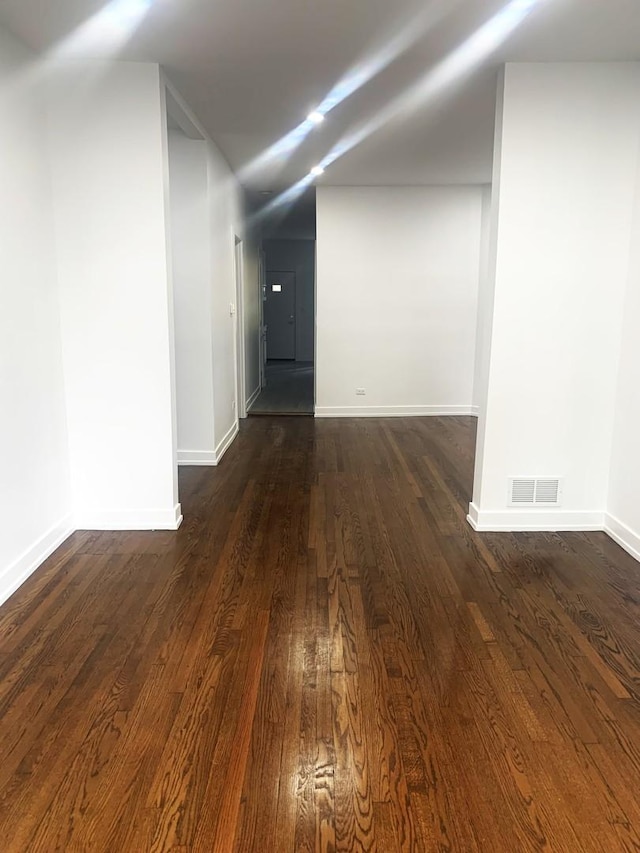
(209, 457)
(623, 535)
(475, 411)
(197, 457)
(522, 520)
(226, 442)
(253, 398)
(392, 411)
(26, 564)
(134, 519)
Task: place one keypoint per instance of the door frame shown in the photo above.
(262, 336)
(295, 312)
(238, 331)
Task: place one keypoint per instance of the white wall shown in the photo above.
(623, 506)
(485, 306)
(563, 199)
(206, 216)
(299, 257)
(251, 283)
(397, 289)
(109, 155)
(191, 265)
(35, 502)
(225, 214)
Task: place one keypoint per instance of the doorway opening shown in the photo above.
(288, 313)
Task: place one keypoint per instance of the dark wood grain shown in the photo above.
(324, 658)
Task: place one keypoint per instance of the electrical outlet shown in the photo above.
(233, 405)
(360, 392)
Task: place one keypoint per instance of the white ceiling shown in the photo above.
(253, 69)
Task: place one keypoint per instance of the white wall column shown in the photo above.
(623, 506)
(109, 155)
(561, 226)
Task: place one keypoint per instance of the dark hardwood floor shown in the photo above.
(324, 657)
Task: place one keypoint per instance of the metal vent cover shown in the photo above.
(535, 491)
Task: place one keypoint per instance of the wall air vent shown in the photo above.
(535, 491)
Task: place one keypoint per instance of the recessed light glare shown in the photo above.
(126, 9)
(316, 117)
(317, 170)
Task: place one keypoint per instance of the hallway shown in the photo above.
(289, 389)
(324, 657)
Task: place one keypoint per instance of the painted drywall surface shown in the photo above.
(251, 307)
(397, 291)
(490, 225)
(299, 257)
(170, 302)
(191, 259)
(108, 147)
(35, 501)
(623, 505)
(484, 305)
(565, 200)
(226, 224)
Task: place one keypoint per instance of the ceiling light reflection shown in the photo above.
(450, 71)
(360, 74)
(100, 37)
(106, 32)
